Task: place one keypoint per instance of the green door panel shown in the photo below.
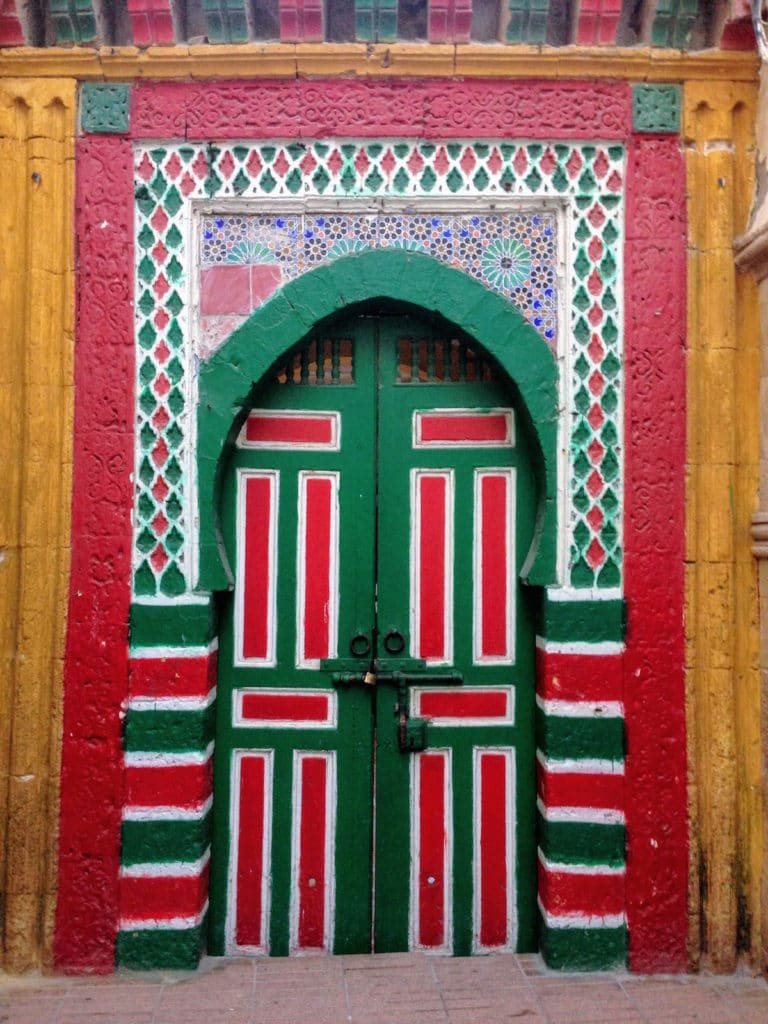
(358, 844)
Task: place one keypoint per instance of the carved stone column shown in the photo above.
(751, 251)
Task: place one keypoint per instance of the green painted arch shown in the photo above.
(411, 281)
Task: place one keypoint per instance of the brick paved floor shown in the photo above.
(390, 989)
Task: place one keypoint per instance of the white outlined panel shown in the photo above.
(317, 568)
(475, 705)
(431, 896)
(291, 429)
(248, 892)
(493, 563)
(431, 565)
(256, 576)
(494, 890)
(284, 708)
(464, 428)
(313, 842)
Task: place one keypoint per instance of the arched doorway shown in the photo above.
(375, 753)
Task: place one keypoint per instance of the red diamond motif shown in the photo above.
(595, 518)
(281, 165)
(362, 163)
(254, 164)
(595, 554)
(595, 452)
(187, 184)
(335, 162)
(161, 319)
(614, 182)
(173, 168)
(200, 166)
(162, 352)
(160, 453)
(574, 164)
(415, 162)
(161, 418)
(441, 163)
(595, 316)
(159, 220)
(308, 163)
(548, 162)
(388, 163)
(495, 163)
(227, 165)
(159, 253)
(161, 287)
(596, 351)
(159, 524)
(468, 160)
(162, 385)
(146, 168)
(601, 164)
(595, 484)
(596, 383)
(595, 249)
(596, 216)
(596, 418)
(159, 558)
(595, 283)
(160, 490)
(520, 162)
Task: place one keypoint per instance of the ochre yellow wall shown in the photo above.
(37, 123)
(723, 682)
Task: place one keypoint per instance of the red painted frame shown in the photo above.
(96, 670)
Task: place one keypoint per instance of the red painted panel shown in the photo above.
(493, 850)
(96, 657)
(433, 108)
(494, 566)
(173, 677)
(474, 428)
(576, 677)
(580, 789)
(654, 525)
(312, 842)
(318, 532)
(282, 707)
(262, 429)
(250, 850)
(432, 499)
(258, 567)
(432, 849)
(566, 893)
(163, 898)
(466, 704)
(187, 785)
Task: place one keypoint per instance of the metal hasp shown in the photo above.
(411, 732)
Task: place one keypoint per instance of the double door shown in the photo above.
(374, 764)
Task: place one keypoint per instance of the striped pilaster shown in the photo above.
(580, 784)
(169, 796)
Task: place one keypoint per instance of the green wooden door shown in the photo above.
(374, 764)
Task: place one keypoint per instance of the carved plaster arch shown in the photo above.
(384, 276)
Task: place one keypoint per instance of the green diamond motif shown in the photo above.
(173, 201)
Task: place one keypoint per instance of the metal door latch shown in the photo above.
(412, 733)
